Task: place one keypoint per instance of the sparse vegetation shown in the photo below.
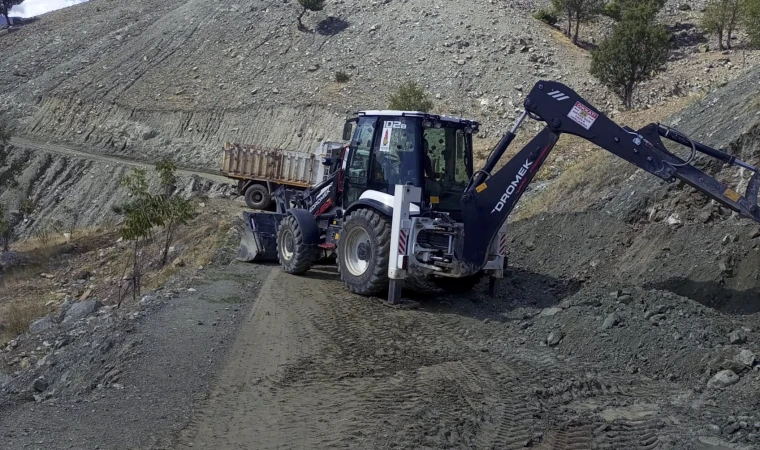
(546, 16)
(635, 51)
(308, 5)
(146, 212)
(750, 15)
(721, 18)
(410, 97)
(577, 12)
(20, 315)
(342, 77)
(616, 9)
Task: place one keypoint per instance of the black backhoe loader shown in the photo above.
(404, 200)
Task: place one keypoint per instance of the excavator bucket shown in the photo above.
(259, 240)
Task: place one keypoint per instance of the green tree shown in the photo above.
(616, 9)
(147, 212)
(750, 15)
(721, 18)
(635, 50)
(173, 209)
(410, 97)
(5, 9)
(309, 5)
(577, 12)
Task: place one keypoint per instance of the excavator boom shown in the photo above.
(490, 197)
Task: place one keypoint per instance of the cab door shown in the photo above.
(359, 159)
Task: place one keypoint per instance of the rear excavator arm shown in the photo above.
(489, 198)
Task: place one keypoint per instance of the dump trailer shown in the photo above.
(259, 170)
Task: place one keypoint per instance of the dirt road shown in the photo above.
(68, 150)
(315, 367)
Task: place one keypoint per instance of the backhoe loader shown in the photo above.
(404, 199)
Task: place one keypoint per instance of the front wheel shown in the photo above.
(364, 251)
(295, 256)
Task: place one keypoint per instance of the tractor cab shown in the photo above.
(387, 148)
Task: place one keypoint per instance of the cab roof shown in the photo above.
(424, 115)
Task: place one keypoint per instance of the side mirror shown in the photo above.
(348, 129)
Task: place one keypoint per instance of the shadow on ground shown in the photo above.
(713, 295)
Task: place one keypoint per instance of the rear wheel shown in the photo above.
(363, 252)
(458, 285)
(257, 197)
(295, 256)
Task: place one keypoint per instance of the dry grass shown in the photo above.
(19, 316)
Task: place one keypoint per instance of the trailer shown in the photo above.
(259, 170)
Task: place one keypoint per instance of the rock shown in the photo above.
(24, 363)
(625, 299)
(713, 428)
(4, 379)
(731, 428)
(81, 310)
(722, 379)
(549, 312)
(41, 325)
(745, 357)
(754, 234)
(704, 48)
(674, 220)
(657, 318)
(661, 309)
(554, 338)
(705, 216)
(610, 321)
(40, 385)
(737, 337)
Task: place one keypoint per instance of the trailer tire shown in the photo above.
(257, 196)
(294, 255)
(458, 285)
(364, 251)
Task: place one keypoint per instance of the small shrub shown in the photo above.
(410, 97)
(546, 16)
(342, 77)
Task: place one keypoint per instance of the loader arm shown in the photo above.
(489, 198)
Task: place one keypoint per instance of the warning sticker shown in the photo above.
(582, 115)
(385, 139)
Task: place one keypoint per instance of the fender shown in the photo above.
(382, 208)
(379, 201)
(308, 225)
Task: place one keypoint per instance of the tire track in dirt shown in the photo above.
(317, 367)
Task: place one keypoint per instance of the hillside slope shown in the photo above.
(180, 77)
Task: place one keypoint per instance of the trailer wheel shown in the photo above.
(458, 285)
(363, 252)
(295, 257)
(257, 197)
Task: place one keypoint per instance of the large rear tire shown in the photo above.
(257, 197)
(294, 255)
(364, 251)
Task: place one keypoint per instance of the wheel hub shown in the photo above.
(363, 252)
(358, 251)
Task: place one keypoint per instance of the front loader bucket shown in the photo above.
(259, 240)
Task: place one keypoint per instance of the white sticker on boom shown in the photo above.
(385, 139)
(582, 115)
